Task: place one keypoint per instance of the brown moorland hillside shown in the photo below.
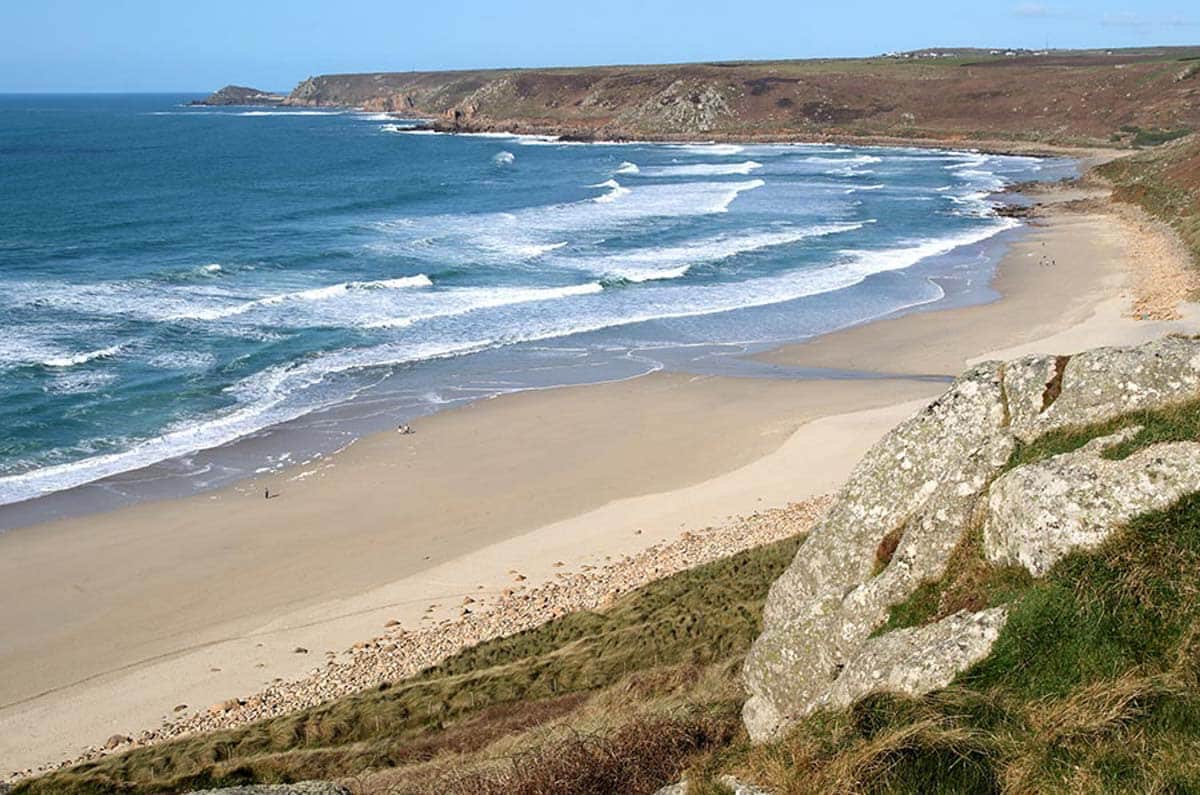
(1061, 98)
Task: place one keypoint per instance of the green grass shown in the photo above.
(1143, 138)
(695, 618)
(1175, 423)
(970, 583)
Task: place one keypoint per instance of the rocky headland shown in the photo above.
(241, 95)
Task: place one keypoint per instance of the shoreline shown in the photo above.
(1088, 153)
(703, 448)
(269, 449)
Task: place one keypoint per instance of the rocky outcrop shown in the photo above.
(241, 95)
(927, 483)
(300, 788)
(1040, 512)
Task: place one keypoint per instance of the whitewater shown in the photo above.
(180, 288)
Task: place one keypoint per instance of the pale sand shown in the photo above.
(109, 621)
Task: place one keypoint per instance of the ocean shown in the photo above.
(190, 295)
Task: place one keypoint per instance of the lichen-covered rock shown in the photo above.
(299, 788)
(916, 660)
(1040, 512)
(925, 482)
(923, 479)
(1107, 382)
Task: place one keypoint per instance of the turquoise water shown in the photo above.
(173, 279)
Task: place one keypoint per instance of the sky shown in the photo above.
(201, 45)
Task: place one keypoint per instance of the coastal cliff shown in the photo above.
(1072, 98)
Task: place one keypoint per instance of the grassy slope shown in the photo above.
(1091, 687)
(1164, 181)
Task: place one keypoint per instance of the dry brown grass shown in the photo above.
(639, 757)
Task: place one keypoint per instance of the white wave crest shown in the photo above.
(83, 358)
(703, 169)
(859, 160)
(615, 191)
(628, 168)
(314, 294)
(673, 262)
(471, 299)
(713, 149)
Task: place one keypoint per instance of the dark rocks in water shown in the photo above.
(1019, 210)
(241, 95)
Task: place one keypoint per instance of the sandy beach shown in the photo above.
(116, 622)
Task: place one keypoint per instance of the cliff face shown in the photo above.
(957, 476)
(1085, 98)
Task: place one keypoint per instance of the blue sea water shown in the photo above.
(173, 278)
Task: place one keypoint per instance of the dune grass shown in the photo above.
(698, 617)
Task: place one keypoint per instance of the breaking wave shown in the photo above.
(703, 169)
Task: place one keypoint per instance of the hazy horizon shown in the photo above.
(71, 46)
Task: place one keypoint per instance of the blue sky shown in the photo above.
(197, 45)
